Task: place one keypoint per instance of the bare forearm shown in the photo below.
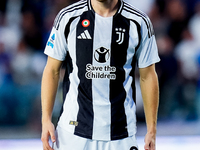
(48, 92)
(150, 94)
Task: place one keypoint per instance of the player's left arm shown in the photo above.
(150, 95)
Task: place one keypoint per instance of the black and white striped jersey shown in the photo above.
(103, 51)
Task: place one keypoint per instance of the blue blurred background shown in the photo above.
(24, 28)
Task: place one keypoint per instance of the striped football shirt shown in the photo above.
(101, 54)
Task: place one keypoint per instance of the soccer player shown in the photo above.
(101, 42)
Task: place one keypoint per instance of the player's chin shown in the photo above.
(101, 0)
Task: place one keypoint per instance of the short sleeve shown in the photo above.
(147, 53)
(56, 46)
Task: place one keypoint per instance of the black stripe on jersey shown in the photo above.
(67, 28)
(130, 9)
(71, 8)
(132, 73)
(67, 65)
(117, 91)
(84, 56)
(121, 7)
(133, 63)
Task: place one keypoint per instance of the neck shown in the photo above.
(105, 8)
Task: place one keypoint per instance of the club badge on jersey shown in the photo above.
(120, 33)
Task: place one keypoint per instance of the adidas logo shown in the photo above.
(84, 35)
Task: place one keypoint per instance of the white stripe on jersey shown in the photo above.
(101, 96)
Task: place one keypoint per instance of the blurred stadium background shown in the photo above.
(24, 28)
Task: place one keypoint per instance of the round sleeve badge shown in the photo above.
(85, 23)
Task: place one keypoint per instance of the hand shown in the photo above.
(48, 129)
(150, 141)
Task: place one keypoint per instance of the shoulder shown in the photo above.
(133, 13)
(133, 10)
(138, 16)
(71, 11)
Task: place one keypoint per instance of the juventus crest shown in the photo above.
(120, 33)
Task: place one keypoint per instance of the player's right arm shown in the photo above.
(48, 93)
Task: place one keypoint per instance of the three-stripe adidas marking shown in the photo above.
(84, 35)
